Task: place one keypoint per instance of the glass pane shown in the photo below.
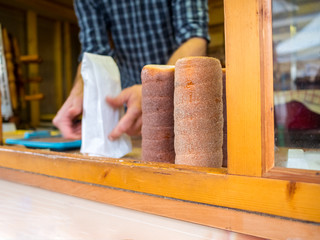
(296, 44)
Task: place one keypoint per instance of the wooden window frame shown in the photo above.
(250, 191)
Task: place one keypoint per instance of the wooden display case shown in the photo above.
(251, 196)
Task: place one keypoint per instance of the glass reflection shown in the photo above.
(296, 44)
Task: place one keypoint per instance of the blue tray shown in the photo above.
(37, 140)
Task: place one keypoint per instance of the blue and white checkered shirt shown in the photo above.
(143, 31)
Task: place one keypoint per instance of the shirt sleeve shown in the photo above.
(93, 34)
(190, 19)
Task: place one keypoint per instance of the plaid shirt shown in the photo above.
(143, 31)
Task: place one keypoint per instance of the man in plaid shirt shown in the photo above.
(143, 32)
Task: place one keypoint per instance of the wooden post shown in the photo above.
(249, 86)
(67, 57)
(58, 64)
(266, 76)
(33, 68)
(10, 68)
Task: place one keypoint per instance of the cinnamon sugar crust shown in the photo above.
(198, 112)
(157, 113)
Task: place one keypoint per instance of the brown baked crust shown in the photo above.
(157, 113)
(198, 112)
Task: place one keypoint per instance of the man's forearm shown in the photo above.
(193, 47)
(77, 88)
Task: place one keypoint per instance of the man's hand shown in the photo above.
(66, 118)
(131, 122)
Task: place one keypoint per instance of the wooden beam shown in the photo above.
(30, 59)
(67, 50)
(243, 87)
(34, 97)
(33, 68)
(290, 199)
(8, 53)
(44, 8)
(266, 85)
(34, 80)
(299, 175)
(58, 75)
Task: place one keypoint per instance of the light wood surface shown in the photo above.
(224, 218)
(242, 29)
(296, 200)
(299, 175)
(266, 81)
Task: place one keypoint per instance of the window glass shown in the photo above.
(296, 45)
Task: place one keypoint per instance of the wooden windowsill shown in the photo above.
(294, 175)
(200, 195)
(200, 185)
